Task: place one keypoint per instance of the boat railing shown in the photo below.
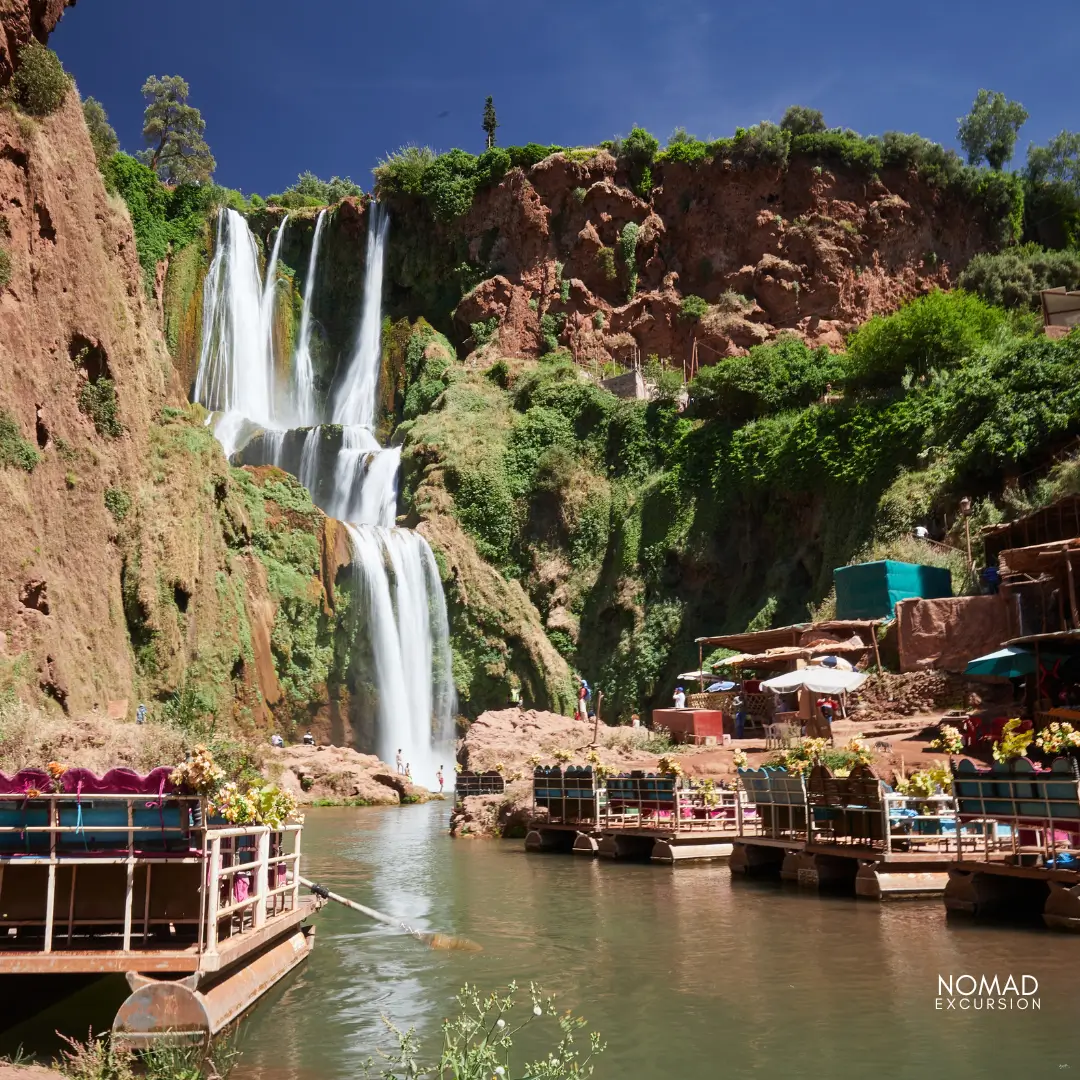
(1031, 814)
(123, 872)
(577, 796)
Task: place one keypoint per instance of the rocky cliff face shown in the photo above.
(134, 563)
(24, 21)
(569, 255)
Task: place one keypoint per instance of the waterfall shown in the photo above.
(356, 397)
(303, 375)
(408, 651)
(403, 658)
(236, 357)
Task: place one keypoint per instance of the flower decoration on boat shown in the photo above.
(55, 769)
(669, 766)
(500, 768)
(533, 760)
(563, 757)
(740, 759)
(859, 751)
(949, 740)
(1013, 743)
(200, 773)
(1058, 737)
(33, 793)
(235, 806)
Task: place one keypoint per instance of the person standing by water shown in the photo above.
(408, 772)
(583, 701)
(439, 777)
(400, 762)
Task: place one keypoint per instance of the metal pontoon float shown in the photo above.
(121, 875)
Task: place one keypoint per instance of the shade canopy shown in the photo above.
(1011, 662)
(821, 680)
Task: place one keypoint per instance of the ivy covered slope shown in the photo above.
(623, 529)
(626, 246)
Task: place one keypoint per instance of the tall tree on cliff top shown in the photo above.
(989, 131)
(490, 123)
(173, 131)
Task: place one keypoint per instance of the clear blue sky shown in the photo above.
(287, 86)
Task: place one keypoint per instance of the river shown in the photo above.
(685, 972)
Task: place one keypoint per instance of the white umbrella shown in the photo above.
(821, 680)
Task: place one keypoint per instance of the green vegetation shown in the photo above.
(309, 190)
(5, 267)
(15, 451)
(479, 1042)
(693, 307)
(988, 133)
(102, 134)
(490, 123)
(117, 502)
(1014, 278)
(163, 219)
(97, 399)
(799, 120)
(40, 83)
(173, 131)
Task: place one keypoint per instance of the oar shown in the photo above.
(434, 940)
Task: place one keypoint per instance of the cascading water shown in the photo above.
(303, 374)
(355, 400)
(403, 657)
(236, 359)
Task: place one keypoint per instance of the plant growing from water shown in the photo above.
(477, 1043)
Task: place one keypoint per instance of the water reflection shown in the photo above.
(686, 972)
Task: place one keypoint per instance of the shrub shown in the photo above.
(5, 267)
(402, 172)
(765, 143)
(639, 148)
(97, 399)
(848, 147)
(605, 260)
(800, 120)
(15, 451)
(550, 327)
(934, 332)
(309, 190)
(598, 320)
(117, 502)
(693, 307)
(483, 332)
(1014, 279)
(102, 134)
(40, 83)
(785, 374)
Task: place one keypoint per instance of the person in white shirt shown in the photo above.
(680, 698)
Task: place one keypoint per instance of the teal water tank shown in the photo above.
(871, 590)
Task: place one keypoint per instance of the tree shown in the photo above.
(102, 134)
(490, 123)
(1058, 162)
(173, 131)
(799, 120)
(989, 131)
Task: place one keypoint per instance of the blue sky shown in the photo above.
(287, 86)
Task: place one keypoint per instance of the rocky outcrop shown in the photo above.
(570, 252)
(339, 774)
(24, 21)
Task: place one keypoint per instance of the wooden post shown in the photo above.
(296, 870)
(596, 717)
(129, 895)
(50, 897)
(262, 878)
(701, 667)
(1072, 592)
(877, 653)
(213, 897)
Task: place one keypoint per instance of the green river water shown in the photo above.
(686, 972)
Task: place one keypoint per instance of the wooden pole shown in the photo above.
(1072, 592)
(877, 653)
(596, 717)
(700, 667)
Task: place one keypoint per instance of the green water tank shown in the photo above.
(871, 590)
